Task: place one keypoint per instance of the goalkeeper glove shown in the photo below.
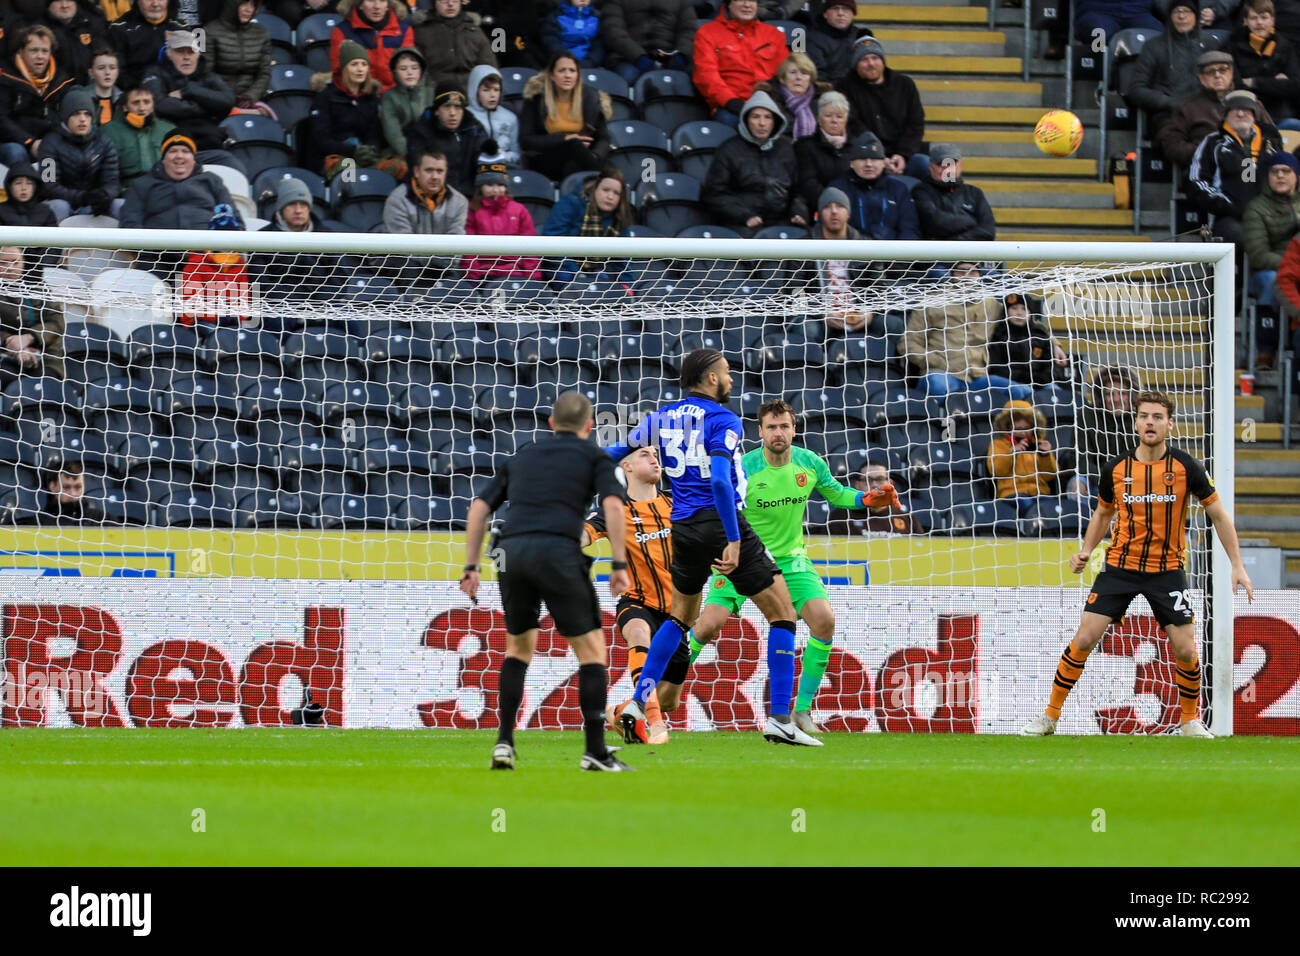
(879, 497)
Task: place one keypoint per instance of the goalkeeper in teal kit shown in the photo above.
(781, 478)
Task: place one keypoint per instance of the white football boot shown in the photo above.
(1040, 726)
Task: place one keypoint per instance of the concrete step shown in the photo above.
(940, 42)
(1268, 462)
(871, 14)
(989, 115)
(942, 91)
(1271, 516)
(932, 63)
(1259, 432)
(1012, 142)
(1290, 540)
(1040, 166)
(1250, 406)
(1019, 235)
(1098, 323)
(1062, 194)
(930, 3)
(1254, 485)
(1046, 216)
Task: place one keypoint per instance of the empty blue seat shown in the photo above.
(609, 82)
(668, 98)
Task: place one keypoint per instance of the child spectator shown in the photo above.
(103, 84)
(493, 213)
(485, 106)
(140, 35)
(83, 161)
(1267, 62)
(23, 205)
(137, 135)
(345, 115)
(379, 27)
(1022, 347)
(406, 102)
(572, 26)
(31, 330)
(600, 208)
(448, 129)
(239, 51)
(31, 88)
(78, 32)
(1020, 456)
(733, 54)
(645, 35)
(562, 124)
(750, 183)
(452, 43)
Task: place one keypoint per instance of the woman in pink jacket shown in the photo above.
(493, 213)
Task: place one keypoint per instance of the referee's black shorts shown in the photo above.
(1166, 591)
(550, 568)
(699, 540)
(628, 610)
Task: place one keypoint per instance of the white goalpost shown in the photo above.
(278, 435)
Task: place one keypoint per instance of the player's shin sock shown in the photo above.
(1188, 676)
(509, 697)
(815, 658)
(1067, 672)
(593, 683)
(696, 646)
(780, 665)
(635, 665)
(662, 646)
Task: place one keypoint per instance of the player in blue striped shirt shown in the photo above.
(699, 442)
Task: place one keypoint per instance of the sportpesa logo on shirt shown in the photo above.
(1139, 499)
(779, 502)
(642, 537)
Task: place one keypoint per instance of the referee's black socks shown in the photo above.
(510, 696)
(593, 685)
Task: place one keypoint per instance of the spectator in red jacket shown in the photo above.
(378, 26)
(493, 213)
(733, 54)
(1288, 283)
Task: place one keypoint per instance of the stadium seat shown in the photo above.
(943, 461)
(356, 405)
(41, 397)
(266, 509)
(510, 295)
(197, 394)
(195, 509)
(126, 299)
(671, 203)
(19, 506)
(291, 93)
(1052, 516)
(167, 345)
(513, 79)
(668, 99)
(260, 142)
(314, 31)
(278, 399)
(1056, 402)
(632, 143)
(278, 30)
(510, 408)
(985, 518)
(427, 513)
(694, 143)
(573, 182)
(369, 187)
(352, 511)
(439, 406)
(396, 456)
(638, 231)
(706, 232)
(620, 95)
(90, 350)
(400, 359)
(397, 485)
(782, 232)
(534, 191)
(236, 183)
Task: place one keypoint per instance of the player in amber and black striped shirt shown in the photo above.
(648, 602)
(1147, 494)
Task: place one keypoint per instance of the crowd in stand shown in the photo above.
(125, 103)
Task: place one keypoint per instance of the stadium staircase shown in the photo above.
(974, 95)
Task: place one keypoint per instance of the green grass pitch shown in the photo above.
(321, 797)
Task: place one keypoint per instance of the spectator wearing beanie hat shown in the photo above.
(831, 38)
(1270, 222)
(447, 126)
(1165, 71)
(842, 283)
(493, 213)
(887, 103)
(1217, 177)
(733, 54)
(176, 193)
(345, 114)
(295, 275)
(83, 160)
(880, 206)
(379, 27)
(407, 100)
(203, 98)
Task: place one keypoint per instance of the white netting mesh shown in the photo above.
(233, 413)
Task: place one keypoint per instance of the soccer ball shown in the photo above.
(1058, 133)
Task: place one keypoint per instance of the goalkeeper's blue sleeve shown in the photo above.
(724, 496)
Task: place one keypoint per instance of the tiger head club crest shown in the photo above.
(801, 479)
(1169, 479)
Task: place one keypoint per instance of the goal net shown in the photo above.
(235, 467)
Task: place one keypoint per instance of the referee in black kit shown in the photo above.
(549, 485)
